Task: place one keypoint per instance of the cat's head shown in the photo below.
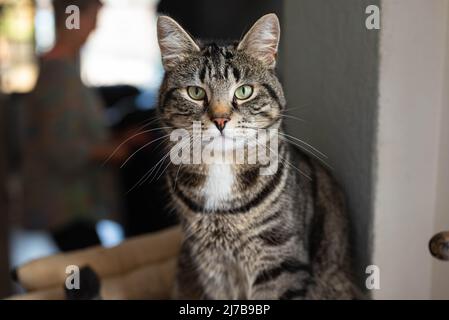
(224, 87)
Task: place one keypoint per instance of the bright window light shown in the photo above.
(110, 233)
(123, 49)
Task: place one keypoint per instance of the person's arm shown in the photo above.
(61, 131)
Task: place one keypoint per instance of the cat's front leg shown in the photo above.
(187, 283)
(281, 284)
(224, 282)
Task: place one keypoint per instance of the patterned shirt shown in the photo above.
(64, 120)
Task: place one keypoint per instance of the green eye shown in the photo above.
(243, 92)
(196, 93)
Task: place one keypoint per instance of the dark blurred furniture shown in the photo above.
(4, 252)
(145, 206)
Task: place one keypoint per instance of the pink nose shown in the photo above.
(220, 123)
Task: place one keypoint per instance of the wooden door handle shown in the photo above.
(439, 245)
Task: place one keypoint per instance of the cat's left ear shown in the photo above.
(174, 42)
(262, 40)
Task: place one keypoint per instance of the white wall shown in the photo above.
(440, 273)
(412, 129)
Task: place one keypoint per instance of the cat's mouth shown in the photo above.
(220, 137)
(231, 133)
(224, 142)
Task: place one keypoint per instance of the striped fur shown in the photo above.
(249, 236)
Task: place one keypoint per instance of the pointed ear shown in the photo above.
(174, 42)
(262, 40)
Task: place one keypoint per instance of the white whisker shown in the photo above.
(141, 148)
(130, 138)
(305, 143)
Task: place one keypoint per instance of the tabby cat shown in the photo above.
(247, 235)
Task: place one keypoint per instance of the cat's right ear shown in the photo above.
(174, 42)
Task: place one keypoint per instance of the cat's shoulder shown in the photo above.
(314, 167)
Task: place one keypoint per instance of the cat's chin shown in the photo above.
(224, 143)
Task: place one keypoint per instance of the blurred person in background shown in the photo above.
(67, 189)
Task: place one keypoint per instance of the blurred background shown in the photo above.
(118, 62)
(51, 80)
(376, 102)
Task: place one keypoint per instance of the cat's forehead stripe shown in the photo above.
(217, 63)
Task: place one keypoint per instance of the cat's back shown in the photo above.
(328, 229)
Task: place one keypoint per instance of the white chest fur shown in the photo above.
(218, 186)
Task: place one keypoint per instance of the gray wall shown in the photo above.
(330, 74)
